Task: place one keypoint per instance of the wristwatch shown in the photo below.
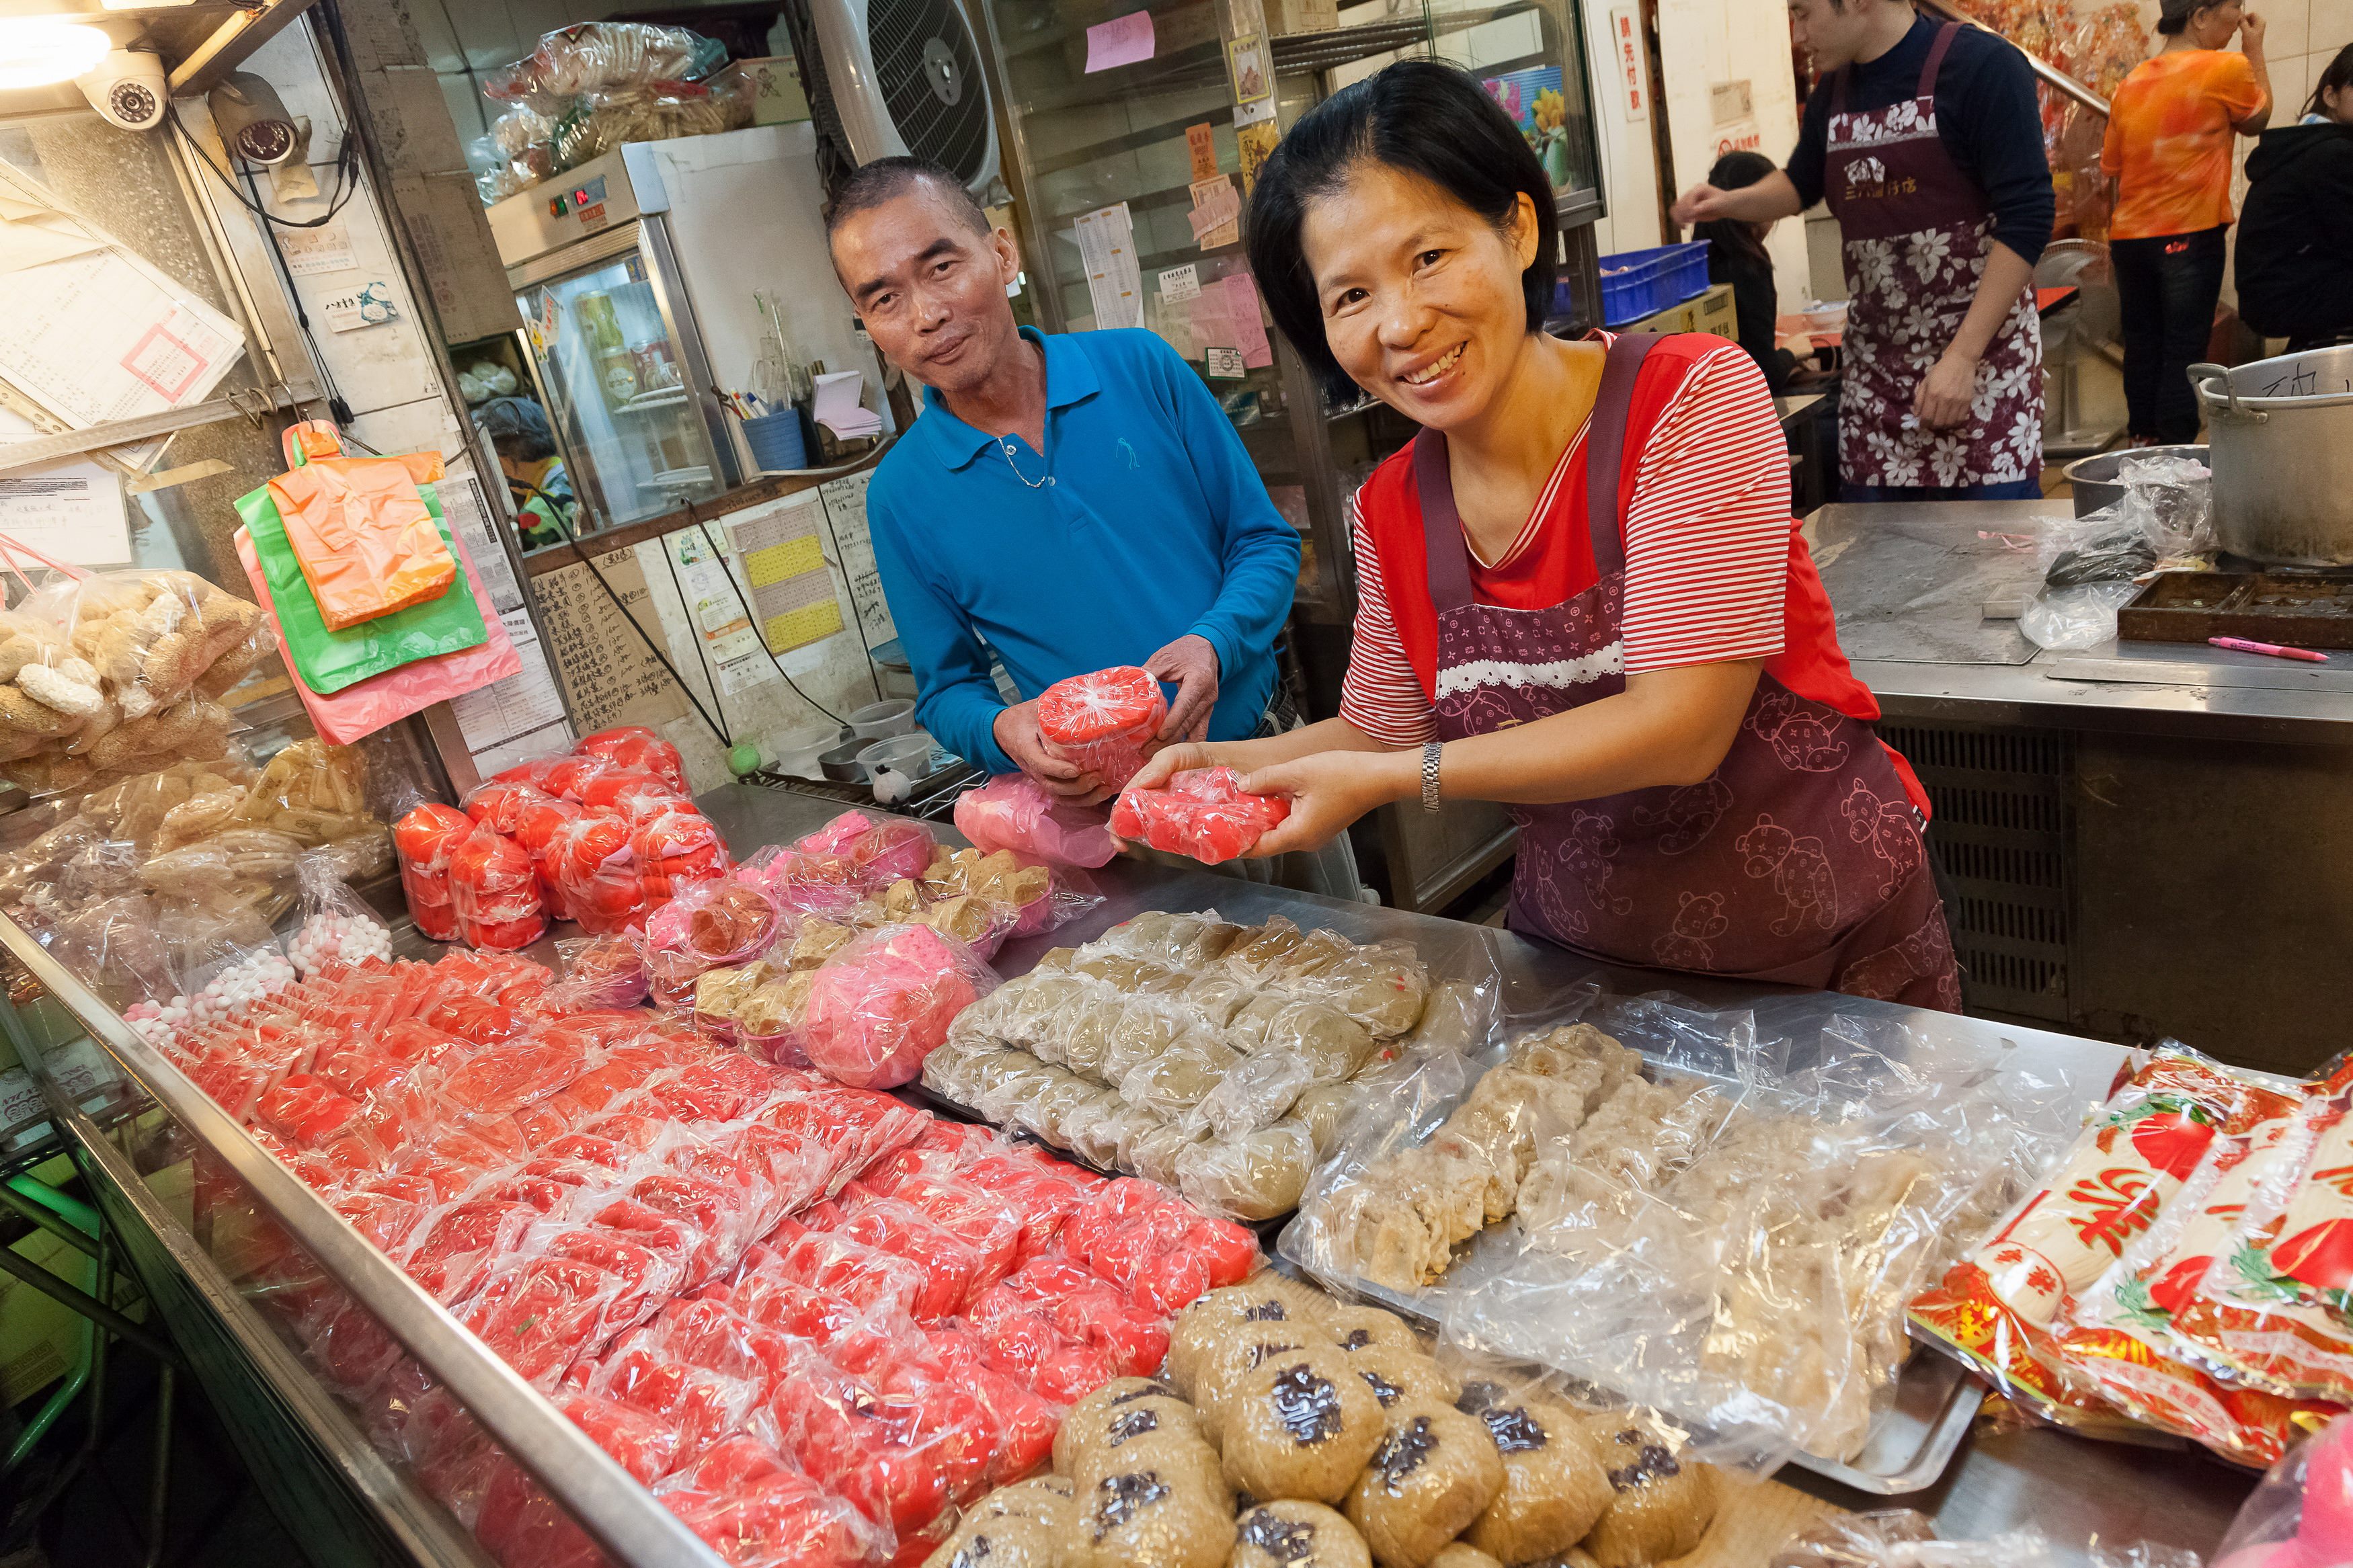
(1429, 750)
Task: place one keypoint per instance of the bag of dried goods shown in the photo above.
(1103, 721)
(2272, 1311)
(880, 1006)
(1015, 812)
(1202, 813)
(1998, 1307)
(709, 925)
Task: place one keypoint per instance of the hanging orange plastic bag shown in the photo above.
(365, 539)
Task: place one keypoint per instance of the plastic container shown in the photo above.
(1638, 283)
(908, 755)
(776, 442)
(880, 721)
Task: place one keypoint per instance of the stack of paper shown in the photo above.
(839, 406)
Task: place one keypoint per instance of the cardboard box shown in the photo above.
(40, 1338)
(1712, 312)
(777, 96)
(1284, 17)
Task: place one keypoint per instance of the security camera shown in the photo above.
(127, 88)
(252, 120)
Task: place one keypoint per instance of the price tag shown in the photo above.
(1179, 284)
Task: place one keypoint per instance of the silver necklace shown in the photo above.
(1006, 447)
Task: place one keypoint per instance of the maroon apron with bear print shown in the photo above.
(1799, 860)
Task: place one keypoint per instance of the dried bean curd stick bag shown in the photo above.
(1996, 1307)
(2119, 1348)
(2272, 1310)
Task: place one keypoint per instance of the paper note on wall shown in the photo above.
(730, 645)
(71, 511)
(599, 652)
(783, 552)
(1217, 212)
(1241, 314)
(520, 707)
(1122, 41)
(845, 512)
(1106, 239)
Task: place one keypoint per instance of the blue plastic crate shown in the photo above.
(1638, 283)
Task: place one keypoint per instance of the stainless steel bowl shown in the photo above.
(2095, 478)
(841, 764)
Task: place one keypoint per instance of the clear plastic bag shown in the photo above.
(1202, 813)
(1904, 1538)
(2170, 500)
(603, 56)
(1014, 812)
(1105, 721)
(423, 839)
(495, 892)
(710, 925)
(335, 928)
(880, 1006)
(599, 973)
(635, 746)
(226, 963)
(2063, 619)
(2103, 546)
(2301, 1514)
(592, 860)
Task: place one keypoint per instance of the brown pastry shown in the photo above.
(1459, 1554)
(1553, 1485)
(1358, 1328)
(1301, 1426)
(1218, 1313)
(1289, 1534)
(1116, 1423)
(1007, 1541)
(1436, 1470)
(1660, 1505)
(1234, 1356)
(1393, 1373)
(1145, 1519)
(1175, 1454)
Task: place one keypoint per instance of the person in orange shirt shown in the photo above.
(2171, 132)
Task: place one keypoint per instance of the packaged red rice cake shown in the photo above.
(1102, 722)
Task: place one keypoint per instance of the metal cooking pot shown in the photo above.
(2093, 482)
(2280, 434)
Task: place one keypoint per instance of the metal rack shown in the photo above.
(302, 1447)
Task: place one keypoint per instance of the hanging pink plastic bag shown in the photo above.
(1014, 811)
(882, 1004)
(495, 892)
(1202, 813)
(1103, 721)
(367, 706)
(2301, 1515)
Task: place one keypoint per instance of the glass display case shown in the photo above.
(1142, 133)
(612, 371)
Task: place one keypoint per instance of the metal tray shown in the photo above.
(1906, 1450)
(2303, 609)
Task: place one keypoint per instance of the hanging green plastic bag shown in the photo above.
(330, 660)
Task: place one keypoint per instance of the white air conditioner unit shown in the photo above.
(906, 78)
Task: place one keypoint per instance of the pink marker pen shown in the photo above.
(2241, 644)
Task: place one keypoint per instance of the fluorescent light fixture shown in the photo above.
(35, 51)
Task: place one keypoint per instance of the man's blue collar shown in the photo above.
(1070, 378)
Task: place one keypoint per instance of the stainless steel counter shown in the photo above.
(2072, 1489)
(1927, 598)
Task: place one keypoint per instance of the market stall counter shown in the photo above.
(2144, 834)
(230, 1257)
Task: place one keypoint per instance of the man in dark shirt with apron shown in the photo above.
(1925, 139)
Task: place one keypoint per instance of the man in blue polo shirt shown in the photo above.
(1074, 502)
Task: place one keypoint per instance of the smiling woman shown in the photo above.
(1581, 591)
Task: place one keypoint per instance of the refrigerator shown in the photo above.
(635, 274)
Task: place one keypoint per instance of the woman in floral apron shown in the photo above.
(1924, 141)
(1580, 590)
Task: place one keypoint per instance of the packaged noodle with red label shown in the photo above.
(1996, 1308)
(2275, 1310)
(2118, 1345)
